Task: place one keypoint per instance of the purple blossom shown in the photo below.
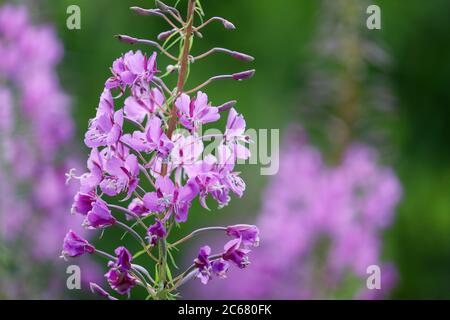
(99, 217)
(156, 231)
(90, 180)
(106, 128)
(195, 112)
(123, 261)
(118, 275)
(203, 264)
(82, 203)
(75, 246)
(137, 206)
(122, 175)
(214, 176)
(169, 198)
(153, 139)
(249, 234)
(120, 281)
(235, 133)
(236, 254)
(132, 69)
(146, 104)
(219, 268)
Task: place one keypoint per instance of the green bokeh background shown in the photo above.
(278, 34)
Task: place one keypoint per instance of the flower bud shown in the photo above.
(242, 56)
(228, 25)
(146, 12)
(171, 68)
(243, 75)
(126, 39)
(165, 8)
(166, 34)
(227, 105)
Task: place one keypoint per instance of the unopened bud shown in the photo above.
(171, 68)
(243, 75)
(242, 56)
(146, 12)
(126, 39)
(164, 7)
(165, 35)
(227, 105)
(228, 25)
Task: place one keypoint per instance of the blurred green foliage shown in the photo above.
(278, 34)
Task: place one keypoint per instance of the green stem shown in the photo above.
(182, 76)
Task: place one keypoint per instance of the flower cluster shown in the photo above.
(35, 127)
(235, 251)
(335, 218)
(147, 148)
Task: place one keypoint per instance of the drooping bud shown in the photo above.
(228, 25)
(165, 8)
(242, 56)
(126, 39)
(227, 105)
(166, 34)
(243, 75)
(146, 12)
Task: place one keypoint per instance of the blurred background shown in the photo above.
(399, 74)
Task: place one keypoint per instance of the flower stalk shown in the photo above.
(155, 154)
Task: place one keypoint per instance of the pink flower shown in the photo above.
(99, 217)
(75, 246)
(90, 180)
(170, 198)
(82, 203)
(106, 128)
(249, 234)
(138, 107)
(122, 175)
(197, 111)
(234, 136)
(203, 264)
(156, 231)
(236, 254)
(118, 276)
(132, 69)
(153, 139)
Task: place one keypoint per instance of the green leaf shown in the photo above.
(172, 260)
(169, 273)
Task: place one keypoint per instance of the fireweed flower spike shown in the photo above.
(156, 170)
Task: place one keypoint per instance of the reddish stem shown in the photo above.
(184, 61)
